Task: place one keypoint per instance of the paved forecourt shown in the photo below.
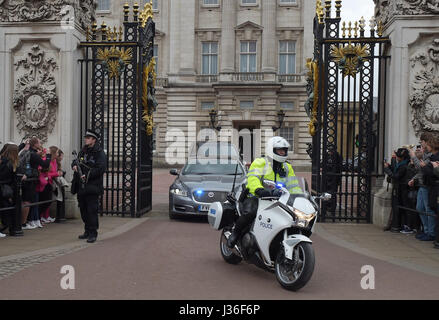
(164, 259)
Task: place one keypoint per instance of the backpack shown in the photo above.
(24, 164)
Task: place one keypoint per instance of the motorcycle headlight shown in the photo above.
(179, 190)
(303, 219)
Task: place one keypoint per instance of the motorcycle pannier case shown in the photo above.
(221, 215)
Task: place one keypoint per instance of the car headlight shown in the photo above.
(178, 190)
(303, 219)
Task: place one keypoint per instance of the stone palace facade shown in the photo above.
(244, 59)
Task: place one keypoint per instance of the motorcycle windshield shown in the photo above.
(303, 184)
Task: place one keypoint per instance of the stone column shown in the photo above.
(228, 48)
(40, 78)
(187, 38)
(269, 45)
(174, 41)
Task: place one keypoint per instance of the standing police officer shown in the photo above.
(93, 164)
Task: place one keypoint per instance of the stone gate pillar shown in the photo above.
(40, 74)
(413, 78)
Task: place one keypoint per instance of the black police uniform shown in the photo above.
(93, 162)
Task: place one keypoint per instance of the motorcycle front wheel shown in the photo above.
(295, 274)
(228, 255)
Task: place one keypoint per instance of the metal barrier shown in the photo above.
(414, 211)
(15, 221)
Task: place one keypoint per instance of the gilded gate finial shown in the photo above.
(328, 5)
(319, 11)
(344, 29)
(380, 29)
(338, 8)
(126, 10)
(136, 11)
(146, 14)
(362, 26)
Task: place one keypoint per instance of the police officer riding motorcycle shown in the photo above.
(274, 167)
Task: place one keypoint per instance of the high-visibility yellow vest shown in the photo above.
(261, 169)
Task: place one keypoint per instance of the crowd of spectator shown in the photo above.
(41, 175)
(414, 175)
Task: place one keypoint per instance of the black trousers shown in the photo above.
(89, 204)
(249, 211)
(399, 198)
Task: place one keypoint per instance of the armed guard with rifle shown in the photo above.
(88, 183)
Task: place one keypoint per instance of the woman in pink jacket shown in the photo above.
(46, 186)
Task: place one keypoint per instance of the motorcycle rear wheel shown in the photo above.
(228, 255)
(294, 275)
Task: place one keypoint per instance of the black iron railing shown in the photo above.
(15, 211)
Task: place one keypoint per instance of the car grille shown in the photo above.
(205, 198)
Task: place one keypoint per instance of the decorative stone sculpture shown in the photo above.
(35, 100)
(424, 98)
(48, 10)
(386, 9)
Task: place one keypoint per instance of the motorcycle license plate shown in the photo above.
(203, 208)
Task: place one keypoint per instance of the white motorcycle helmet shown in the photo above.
(278, 143)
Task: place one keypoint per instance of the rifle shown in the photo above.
(77, 164)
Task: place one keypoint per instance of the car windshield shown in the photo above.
(214, 168)
(214, 150)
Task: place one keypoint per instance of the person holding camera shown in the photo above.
(89, 186)
(397, 172)
(422, 202)
(30, 159)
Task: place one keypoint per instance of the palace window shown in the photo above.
(287, 105)
(210, 2)
(287, 57)
(247, 104)
(248, 56)
(104, 5)
(209, 58)
(207, 105)
(288, 134)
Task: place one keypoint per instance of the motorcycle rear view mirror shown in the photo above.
(174, 172)
(326, 196)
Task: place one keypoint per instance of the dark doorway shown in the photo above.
(248, 139)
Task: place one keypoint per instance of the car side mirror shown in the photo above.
(174, 172)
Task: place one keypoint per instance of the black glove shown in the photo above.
(276, 193)
(263, 193)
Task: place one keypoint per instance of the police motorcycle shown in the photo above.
(278, 240)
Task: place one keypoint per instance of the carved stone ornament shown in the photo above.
(35, 100)
(81, 11)
(386, 9)
(424, 98)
